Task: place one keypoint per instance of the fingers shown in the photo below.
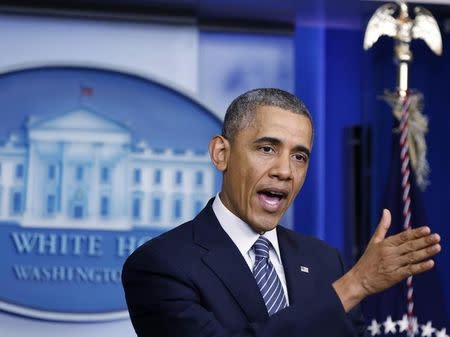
(409, 235)
(416, 244)
(383, 227)
(414, 269)
(417, 256)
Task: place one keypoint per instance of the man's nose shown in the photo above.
(282, 168)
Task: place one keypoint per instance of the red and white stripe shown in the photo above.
(406, 199)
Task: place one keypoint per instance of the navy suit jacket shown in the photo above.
(192, 282)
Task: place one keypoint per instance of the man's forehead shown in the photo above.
(276, 115)
(262, 109)
(281, 123)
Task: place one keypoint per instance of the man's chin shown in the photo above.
(265, 225)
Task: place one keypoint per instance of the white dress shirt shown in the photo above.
(244, 237)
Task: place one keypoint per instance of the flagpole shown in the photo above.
(406, 201)
(406, 104)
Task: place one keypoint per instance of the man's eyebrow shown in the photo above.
(276, 141)
(270, 140)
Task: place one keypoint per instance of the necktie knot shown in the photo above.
(261, 248)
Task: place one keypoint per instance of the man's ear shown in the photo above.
(219, 150)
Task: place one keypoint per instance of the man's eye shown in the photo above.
(266, 149)
(301, 157)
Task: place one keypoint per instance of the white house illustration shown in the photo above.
(81, 169)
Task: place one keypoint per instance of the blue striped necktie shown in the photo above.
(266, 277)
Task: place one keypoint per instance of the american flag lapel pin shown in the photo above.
(304, 269)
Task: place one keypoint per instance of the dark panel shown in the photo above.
(357, 189)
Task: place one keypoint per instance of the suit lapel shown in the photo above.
(300, 281)
(225, 260)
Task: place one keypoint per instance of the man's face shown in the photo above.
(265, 166)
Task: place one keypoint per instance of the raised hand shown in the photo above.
(387, 261)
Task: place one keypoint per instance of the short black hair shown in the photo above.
(241, 112)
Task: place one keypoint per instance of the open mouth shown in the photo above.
(272, 199)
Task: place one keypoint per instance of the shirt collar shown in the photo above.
(239, 231)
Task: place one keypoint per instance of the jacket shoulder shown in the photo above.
(313, 249)
(310, 242)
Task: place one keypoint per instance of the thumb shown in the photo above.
(383, 226)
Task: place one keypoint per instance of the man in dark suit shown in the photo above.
(232, 271)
